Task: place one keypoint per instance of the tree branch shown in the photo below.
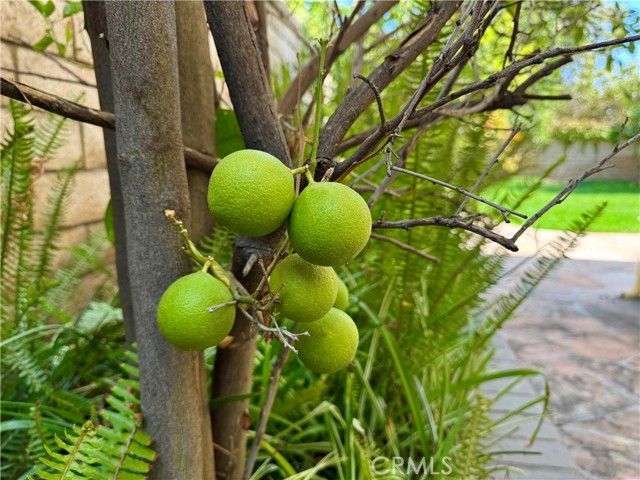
(361, 96)
(405, 246)
(449, 222)
(255, 109)
(310, 71)
(75, 111)
(376, 135)
(493, 161)
(572, 185)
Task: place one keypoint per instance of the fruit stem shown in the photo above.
(316, 128)
(191, 249)
(248, 299)
(309, 176)
(303, 169)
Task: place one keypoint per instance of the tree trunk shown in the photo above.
(96, 24)
(143, 53)
(254, 105)
(197, 101)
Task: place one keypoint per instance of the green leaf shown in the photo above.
(108, 224)
(71, 8)
(42, 44)
(228, 136)
(62, 48)
(46, 9)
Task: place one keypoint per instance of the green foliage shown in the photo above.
(53, 373)
(32, 290)
(228, 136)
(116, 448)
(51, 36)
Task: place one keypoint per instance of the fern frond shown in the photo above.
(218, 245)
(17, 212)
(57, 200)
(468, 455)
(87, 258)
(51, 135)
(117, 448)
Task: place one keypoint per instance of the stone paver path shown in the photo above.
(577, 329)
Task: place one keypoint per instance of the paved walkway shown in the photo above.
(586, 339)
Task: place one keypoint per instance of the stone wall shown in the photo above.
(583, 156)
(72, 78)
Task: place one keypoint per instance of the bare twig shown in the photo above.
(58, 105)
(222, 305)
(405, 246)
(548, 69)
(449, 222)
(572, 185)
(516, 21)
(376, 92)
(48, 77)
(517, 66)
(375, 136)
(54, 57)
(493, 161)
(500, 208)
(359, 28)
(251, 261)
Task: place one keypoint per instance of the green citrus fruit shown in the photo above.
(342, 299)
(183, 317)
(330, 224)
(251, 193)
(332, 342)
(309, 290)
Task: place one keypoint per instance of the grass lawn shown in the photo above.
(622, 213)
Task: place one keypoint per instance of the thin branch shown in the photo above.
(272, 390)
(493, 161)
(548, 69)
(517, 66)
(54, 57)
(531, 96)
(449, 222)
(406, 246)
(376, 136)
(376, 92)
(516, 22)
(572, 185)
(58, 105)
(359, 97)
(352, 34)
(502, 209)
(49, 77)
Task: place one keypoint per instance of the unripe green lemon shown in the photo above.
(342, 299)
(251, 193)
(183, 318)
(332, 342)
(309, 290)
(330, 224)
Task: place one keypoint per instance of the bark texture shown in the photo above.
(96, 24)
(197, 98)
(254, 105)
(144, 70)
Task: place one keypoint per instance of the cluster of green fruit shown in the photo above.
(252, 194)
